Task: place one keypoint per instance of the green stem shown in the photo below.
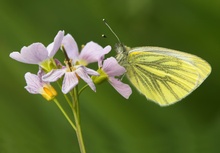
(66, 97)
(83, 88)
(77, 120)
(64, 113)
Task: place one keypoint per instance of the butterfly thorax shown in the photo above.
(122, 53)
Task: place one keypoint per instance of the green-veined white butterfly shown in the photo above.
(164, 76)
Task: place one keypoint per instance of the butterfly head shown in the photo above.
(120, 48)
(122, 53)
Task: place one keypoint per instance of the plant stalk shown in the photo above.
(77, 120)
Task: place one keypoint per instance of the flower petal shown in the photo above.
(112, 68)
(106, 50)
(122, 88)
(91, 71)
(71, 47)
(69, 82)
(54, 47)
(92, 52)
(33, 54)
(81, 72)
(58, 63)
(40, 73)
(54, 75)
(34, 85)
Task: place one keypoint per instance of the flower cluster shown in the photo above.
(75, 68)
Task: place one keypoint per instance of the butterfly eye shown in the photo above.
(120, 48)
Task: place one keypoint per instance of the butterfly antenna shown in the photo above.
(104, 36)
(111, 30)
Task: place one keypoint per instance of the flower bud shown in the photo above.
(48, 92)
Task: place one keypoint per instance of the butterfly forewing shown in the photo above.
(163, 75)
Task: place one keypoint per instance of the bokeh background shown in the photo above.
(111, 124)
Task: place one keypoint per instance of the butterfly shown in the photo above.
(164, 76)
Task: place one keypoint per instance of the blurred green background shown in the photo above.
(111, 124)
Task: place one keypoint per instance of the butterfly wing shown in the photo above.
(163, 75)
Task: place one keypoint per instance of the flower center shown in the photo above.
(101, 78)
(48, 65)
(70, 67)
